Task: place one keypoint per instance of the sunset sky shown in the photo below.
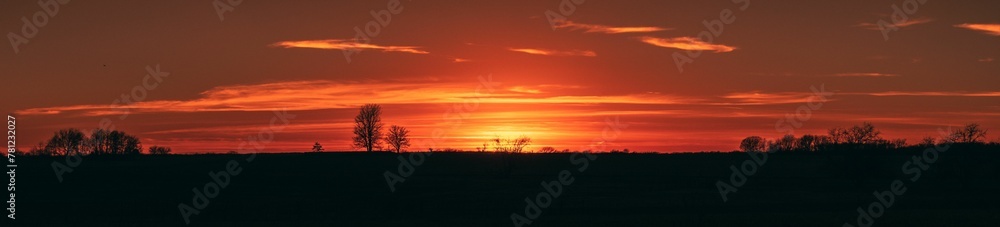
(557, 84)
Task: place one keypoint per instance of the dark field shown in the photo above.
(478, 189)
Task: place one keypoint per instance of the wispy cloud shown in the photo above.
(686, 43)
(585, 53)
(345, 44)
(765, 98)
(523, 89)
(934, 93)
(544, 88)
(761, 98)
(986, 60)
(596, 28)
(318, 95)
(991, 29)
(865, 75)
(907, 23)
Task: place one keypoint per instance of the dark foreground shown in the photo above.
(482, 189)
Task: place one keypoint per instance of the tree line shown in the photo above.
(857, 138)
(368, 135)
(100, 142)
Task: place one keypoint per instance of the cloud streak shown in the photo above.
(763, 98)
(990, 29)
(907, 23)
(686, 43)
(935, 93)
(343, 44)
(319, 95)
(546, 52)
(865, 75)
(596, 28)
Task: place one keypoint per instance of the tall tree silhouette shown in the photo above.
(368, 127)
(397, 138)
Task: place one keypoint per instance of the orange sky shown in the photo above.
(558, 83)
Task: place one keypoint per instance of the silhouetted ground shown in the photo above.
(475, 189)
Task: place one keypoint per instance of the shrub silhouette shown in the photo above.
(508, 145)
(158, 150)
(317, 147)
(547, 150)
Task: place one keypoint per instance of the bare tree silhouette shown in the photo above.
(40, 150)
(927, 142)
(508, 145)
(397, 138)
(863, 134)
(785, 143)
(897, 143)
(753, 144)
(547, 150)
(971, 133)
(838, 135)
(368, 127)
(66, 142)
